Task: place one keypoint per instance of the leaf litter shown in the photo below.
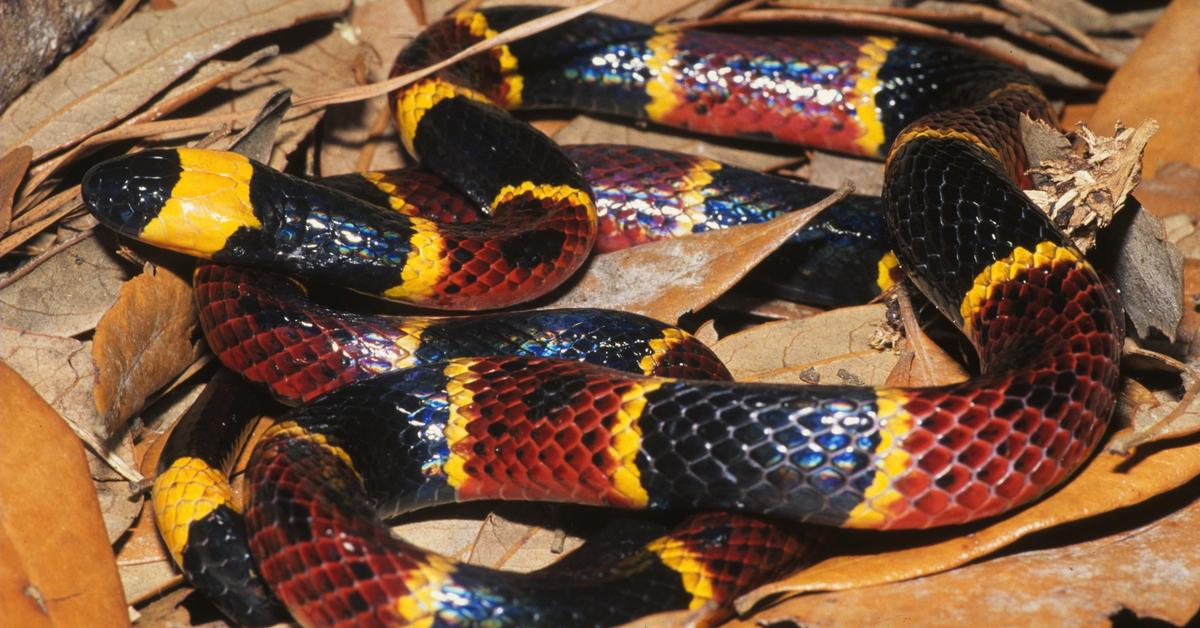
(356, 139)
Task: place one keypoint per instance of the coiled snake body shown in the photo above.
(470, 427)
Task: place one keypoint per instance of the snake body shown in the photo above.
(1047, 329)
(646, 194)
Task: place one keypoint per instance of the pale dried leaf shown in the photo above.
(67, 294)
(1160, 421)
(358, 136)
(1082, 190)
(126, 66)
(828, 348)
(486, 538)
(669, 278)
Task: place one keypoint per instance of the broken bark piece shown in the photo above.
(34, 34)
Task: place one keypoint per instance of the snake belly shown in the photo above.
(1047, 330)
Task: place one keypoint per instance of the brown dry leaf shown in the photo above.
(830, 169)
(1161, 421)
(61, 369)
(640, 10)
(53, 300)
(167, 611)
(1153, 571)
(1188, 336)
(56, 567)
(359, 136)
(1174, 189)
(923, 363)
(586, 130)
(834, 347)
(1107, 483)
(127, 65)
(13, 166)
(1160, 81)
(322, 63)
(669, 278)
(1148, 270)
(143, 342)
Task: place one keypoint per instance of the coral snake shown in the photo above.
(456, 425)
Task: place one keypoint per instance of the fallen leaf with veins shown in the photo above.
(49, 504)
(832, 347)
(143, 342)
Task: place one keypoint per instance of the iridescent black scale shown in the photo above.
(617, 340)
(920, 77)
(439, 143)
(393, 429)
(800, 453)
(130, 192)
(592, 63)
(955, 212)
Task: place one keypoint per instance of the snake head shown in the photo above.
(186, 200)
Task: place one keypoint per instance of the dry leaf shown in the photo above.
(166, 611)
(923, 363)
(56, 567)
(832, 347)
(1189, 327)
(1148, 271)
(359, 136)
(127, 65)
(1174, 189)
(669, 278)
(1107, 483)
(1160, 422)
(61, 369)
(502, 536)
(1160, 81)
(67, 294)
(143, 342)
(321, 61)
(1082, 189)
(13, 166)
(1153, 571)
